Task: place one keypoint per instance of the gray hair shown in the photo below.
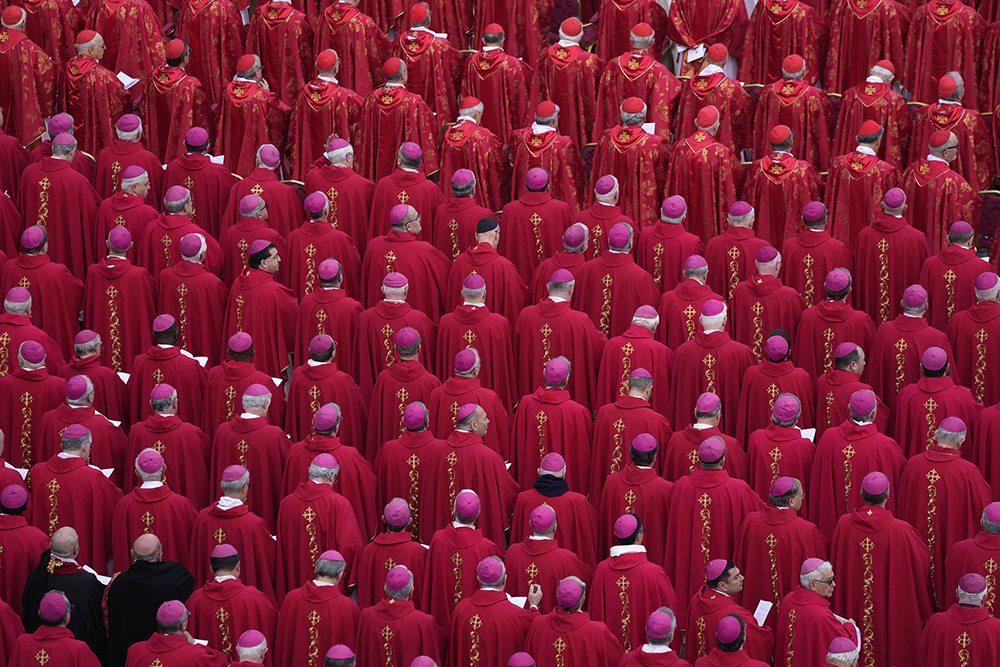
(89, 347)
(959, 86)
(339, 155)
(955, 438)
(236, 485)
(62, 150)
(129, 183)
(496, 585)
(881, 71)
(714, 322)
(475, 366)
(583, 595)
(642, 42)
(17, 307)
(175, 207)
(759, 265)
(399, 75)
(61, 618)
(578, 249)
(560, 287)
(252, 651)
(148, 476)
(471, 111)
(83, 48)
(988, 526)
(330, 568)
(663, 641)
(204, 248)
(321, 474)
(130, 136)
(794, 76)
(460, 190)
(248, 74)
(696, 272)
(548, 121)
(469, 294)
(814, 575)
(255, 402)
(743, 220)
(988, 294)
(161, 404)
(633, 118)
(87, 393)
(790, 422)
(971, 598)
(395, 293)
(650, 323)
(75, 444)
(411, 162)
(403, 592)
(27, 365)
(846, 658)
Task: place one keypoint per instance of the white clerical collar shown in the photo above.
(653, 648)
(322, 583)
(774, 152)
(247, 415)
(412, 171)
(919, 317)
(865, 150)
(874, 79)
(456, 524)
(557, 299)
(713, 331)
(64, 455)
(951, 102)
(474, 305)
(567, 43)
(539, 537)
(935, 158)
(119, 256)
(240, 78)
(541, 129)
(700, 426)
(492, 48)
(710, 69)
(151, 485)
(861, 423)
(622, 549)
(327, 78)
(605, 203)
(462, 430)
(466, 119)
(227, 503)
(721, 592)
(394, 301)
(644, 467)
(394, 84)
(226, 577)
(78, 407)
(313, 362)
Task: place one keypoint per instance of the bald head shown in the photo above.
(147, 548)
(65, 543)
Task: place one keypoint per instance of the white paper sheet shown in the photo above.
(217, 159)
(201, 642)
(126, 80)
(201, 360)
(809, 434)
(649, 128)
(124, 377)
(696, 53)
(104, 580)
(23, 472)
(761, 612)
(518, 601)
(107, 472)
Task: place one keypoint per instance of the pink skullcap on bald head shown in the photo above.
(414, 416)
(781, 486)
(712, 307)
(61, 122)
(568, 593)
(554, 462)
(250, 639)
(394, 280)
(640, 373)
(625, 526)
(467, 504)
(695, 262)
(810, 565)
(256, 389)
(257, 246)
(556, 371)
(813, 211)
(934, 359)
(315, 202)
(120, 237)
(175, 194)
(914, 296)
(837, 280)
(644, 442)
(972, 583)
(53, 607)
(340, 652)
(953, 425)
(960, 227)
(407, 336)
(233, 473)
(326, 417)
(536, 178)
(707, 402)
(490, 570)
(328, 269)
(619, 235)
(18, 295)
(894, 198)
(766, 254)
(659, 625)
(75, 431)
(170, 611)
(240, 342)
(63, 139)
(336, 144)
(397, 213)
(466, 410)
(739, 209)
(462, 177)
(160, 391)
(269, 155)
(397, 578)
(465, 361)
(875, 483)
(776, 348)
(844, 349)
(605, 184)
(149, 461)
(13, 496)
(325, 460)
(332, 554)
(986, 280)
(190, 245)
(196, 136)
(786, 408)
(474, 281)
(320, 343)
(132, 171)
(645, 312)
(711, 449)
(992, 512)
(250, 203)
(423, 661)
(32, 352)
(397, 512)
(542, 518)
(728, 630)
(561, 276)
(522, 659)
(716, 568)
(863, 402)
(673, 207)
(411, 150)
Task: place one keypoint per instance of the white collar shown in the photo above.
(394, 84)
(466, 119)
(700, 426)
(865, 150)
(313, 362)
(77, 407)
(412, 171)
(394, 301)
(322, 583)
(622, 549)
(557, 299)
(565, 43)
(151, 485)
(225, 577)
(711, 69)
(491, 48)
(247, 415)
(935, 158)
(874, 79)
(227, 503)
(240, 78)
(651, 648)
(64, 455)
(919, 317)
(953, 103)
(474, 305)
(541, 129)
(327, 78)
(713, 331)
(539, 537)
(456, 524)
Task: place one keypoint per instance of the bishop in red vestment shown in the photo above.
(119, 304)
(500, 80)
(567, 635)
(505, 289)
(542, 145)
(92, 94)
(974, 555)
(394, 629)
(172, 103)
(52, 640)
(943, 36)
(355, 37)
(231, 378)
(391, 116)
(317, 382)
(807, 625)
(534, 224)
(127, 208)
(680, 306)
(665, 245)
(405, 184)
(28, 86)
(950, 276)
(680, 455)
(597, 221)
(635, 348)
(835, 387)
(844, 456)
(216, 33)
(811, 255)
(133, 36)
(777, 540)
(937, 195)
(710, 362)
(433, 64)
(156, 250)
(467, 146)
(861, 32)
(829, 324)
(463, 388)
(284, 36)
(395, 546)
(774, 376)
(968, 620)
(171, 642)
(209, 183)
(22, 542)
(781, 185)
(870, 542)
(335, 177)
(874, 99)
(315, 241)
(712, 87)
(249, 116)
(284, 213)
(166, 361)
(968, 333)
(762, 303)
(714, 600)
(778, 31)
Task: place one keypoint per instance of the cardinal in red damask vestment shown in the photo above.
(284, 38)
(360, 44)
(874, 99)
(711, 87)
(943, 37)
(432, 63)
(468, 145)
(133, 35)
(778, 29)
(214, 30)
(861, 32)
(27, 81)
(501, 81)
(92, 95)
(692, 24)
(172, 103)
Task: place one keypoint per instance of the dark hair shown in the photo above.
(175, 62)
(843, 362)
(644, 459)
(259, 256)
(630, 539)
(941, 372)
(735, 645)
(713, 583)
(224, 564)
(874, 500)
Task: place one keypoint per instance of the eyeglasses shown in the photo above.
(827, 582)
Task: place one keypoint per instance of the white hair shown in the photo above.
(472, 111)
(814, 575)
(881, 71)
(83, 48)
(258, 651)
(129, 136)
(976, 599)
(201, 249)
(988, 294)
(650, 323)
(129, 183)
(17, 307)
(154, 476)
(255, 402)
(846, 658)
(20, 22)
(339, 155)
(87, 393)
(714, 322)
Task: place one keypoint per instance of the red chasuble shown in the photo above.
(397, 386)
(36, 392)
(109, 440)
(361, 45)
(456, 224)
(492, 335)
(316, 385)
(970, 353)
(894, 361)
(310, 520)
(403, 186)
(844, 455)
(52, 194)
(599, 219)
(505, 289)
(433, 67)
(224, 393)
(923, 405)
(355, 482)
(950, 28)
(246, 532)
(692, 24)
(267, 311)
(874, 100)
(189, 289)
(309, 613)
(806, 628)
(502, 82)
(16, 329)
(778, 451)
(170, 516)
(823, 328)
(322, 108)
(15, 159)
(551, 329)
(950, 279)
(533, 227)
(856, 184)
(759, 306)
(936, 196)
(861, 33)
(834, 389)
(96, 99)
(625, 151)
(284, 38)
(210, 185)
(982, 452)
(56, 295)
(779, 29)
(309, 245)
(171, 366)
(450, 573)
(235, 242)
(548, 421)
(27, 86)
(223, 610)
(577, 517)
(643, 492)
(68, 492)
(53, 25)
(942, 496)
(543, 562)
(889, 241)
(636, 73)
(708, 606)
(627, 589)
(118, 157)
(568, 76)
(770, 379)
(400, 466)
(391, 116)
(807, 259)
(395, 632)
(771, 546)
(612, 287)
(185, 450)
(977, 554)
(121, 209)
(424, 266)
(161, 239)
(538, 288)
(260, 448)
(975, 162)
(352, 194)
(561, 638)
(616, 425)
(487, 625)
(172, 103)
(249, 116)
(697, 535)
(56, 644)
(468, 146)
(617, 19)
(382, 554)
(709, 362)
(376, 333)
(171, 648)
(778, 186)
(284, 212)
(133, 36)
(635, 348)
(556, 154)
(680, 455)
(870, 544)
(679, 311)
(736, 108)
(977, 633)
(446, 399)
(22, 545)
(342, 312)
(709, 176)
(806, 110)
